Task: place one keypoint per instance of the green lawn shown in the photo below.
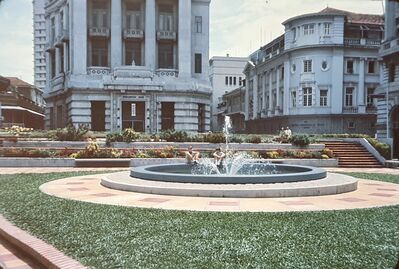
(116, 237)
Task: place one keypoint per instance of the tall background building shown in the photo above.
(39, 42)
(226, 74)
(128, 63)
(388, 93)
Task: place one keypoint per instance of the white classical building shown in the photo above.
(318, 77)
(226, 74)
(388, 93)
(128, 63)
(39, 43)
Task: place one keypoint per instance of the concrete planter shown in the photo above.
(67, 162)
(37, 162)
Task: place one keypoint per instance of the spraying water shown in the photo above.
(240, 163)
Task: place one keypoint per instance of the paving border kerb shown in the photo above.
(41, 252)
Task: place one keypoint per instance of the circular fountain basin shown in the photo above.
(181, 173)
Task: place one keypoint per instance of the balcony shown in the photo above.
(371, 109)
(389, 47)
(166, 35)
(351, 110)
(133, 34)
(360, 42)
(99, 32)
(167, 73)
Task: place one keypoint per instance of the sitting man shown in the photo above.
(192, 157)
(218, 157)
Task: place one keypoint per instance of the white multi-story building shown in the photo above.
(319, 77)
(39, 43)
(388, 93)
(128, 63)
(226, 74)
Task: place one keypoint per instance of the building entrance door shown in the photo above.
(98, 115)
(395, 131)
(133, 115)
(168, 116)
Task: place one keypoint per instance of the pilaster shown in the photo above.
(184, 35)
(116, 33)
(150, 41)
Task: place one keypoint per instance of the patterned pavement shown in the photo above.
(88, 189)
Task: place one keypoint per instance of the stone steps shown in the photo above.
(353, 155)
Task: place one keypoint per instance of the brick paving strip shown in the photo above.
(39, 251)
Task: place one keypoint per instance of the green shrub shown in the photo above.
(129, 135)
(382, 148)
(300, 140)
(254, 139)
(273, 155)
(236, 139)
(71, 133)
(328, 152)
(113, 137)
(174, 136)
(344, 136)
(214, 138)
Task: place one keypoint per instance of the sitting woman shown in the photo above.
(192, 157)
(218, 157)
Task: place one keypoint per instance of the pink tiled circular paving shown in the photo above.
(88, 189)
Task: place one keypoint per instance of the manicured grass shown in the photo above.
(378, 177)
(116, 237)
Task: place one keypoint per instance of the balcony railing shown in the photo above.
(351, 110)
(362, 42)
(99, 31)
(166, 35)
(133, 33)
(390, 47)
(167, 72)
(98, 71)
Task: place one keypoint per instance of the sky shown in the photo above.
(238, 27)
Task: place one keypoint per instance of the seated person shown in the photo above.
(218, 157)
(192, 157)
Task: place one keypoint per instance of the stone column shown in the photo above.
(150, 34)
(79, 37)
(255, 97)
(57, 61)
(264, 94)
(66, 57)
(287, 94)
(116, 33)
(270, 93)
(361, 94)
(277, 108)
(246, 101)
(184, 35)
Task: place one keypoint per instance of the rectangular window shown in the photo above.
(349, 96)
(282, 73)
(307, 66)
(294, 33)
(52, 31)
(327, 28)
(235, 81)
(230, 80)
(349, 67)
(165, 55)
(323, 97)
(391, 72)
(240, 81)
(226, 80)
(99, 53)
(52, 60)
(198, 24)
(99, 18)
(370, 99)
(293, 98)
(133, 53)
(371, 67)
(307, 96)
(198, 63)
(308, 29)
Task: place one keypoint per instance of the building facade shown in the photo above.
(388, 93)
(233, 105)
(318, 77)
(226, 74)
(119, 64)
(21, 104)
(39, 43)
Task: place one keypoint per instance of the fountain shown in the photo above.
(240, 176)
